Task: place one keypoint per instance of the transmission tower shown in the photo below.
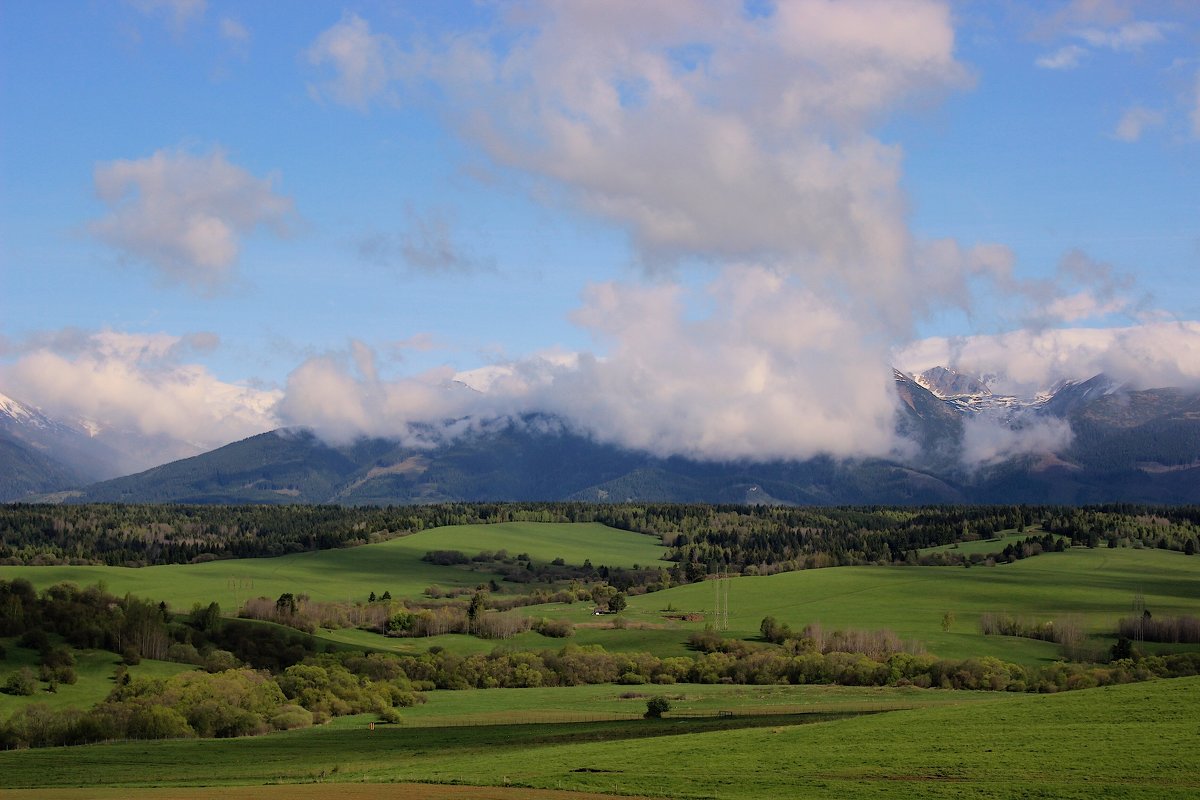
(1139, 615)
(721, 612)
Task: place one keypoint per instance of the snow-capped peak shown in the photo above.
(948, 383)
(21, 414)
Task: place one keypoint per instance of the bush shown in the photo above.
(656, 707)
(289, 717)
(35, 639)
(555, 628)
(389, 715)
(22, 683)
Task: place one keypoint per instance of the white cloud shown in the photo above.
(139, 385)
(183, 214)
(772, 372)
(342, 397)
(363, 62)
(989, 441)
(1135, 122)
(1130, 37)
(1065, 57)
(1024, 361)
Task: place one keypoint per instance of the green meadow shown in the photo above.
(1136, 741)
(991, 546)
(93, 668)
(353, 573)
(1095, 586)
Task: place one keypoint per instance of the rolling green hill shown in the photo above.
(352, 573)
(1096, 586)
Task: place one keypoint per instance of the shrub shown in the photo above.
(656, 707)
(555, 628)
(390, 715)
(35, 639)
(289, 717)
(21, 683)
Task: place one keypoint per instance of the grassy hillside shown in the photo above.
(1127, 741)
(94, 669)
(353, 573)
(1097, 586)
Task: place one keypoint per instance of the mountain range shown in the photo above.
(1092, 441)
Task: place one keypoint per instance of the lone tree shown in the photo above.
(617, 602)
(656, 707)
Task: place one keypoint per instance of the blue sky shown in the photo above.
(679, 226)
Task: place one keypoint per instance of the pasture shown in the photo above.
(1127, 741)
(1096, 587)
(94, 669)
(351, 574)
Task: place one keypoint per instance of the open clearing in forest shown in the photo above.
(1133, 741)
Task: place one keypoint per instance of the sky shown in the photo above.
(698, 228)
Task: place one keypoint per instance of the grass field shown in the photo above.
(1128, 741)
(353, 573)
(996, 544)
(94, 669)
(1096, 585)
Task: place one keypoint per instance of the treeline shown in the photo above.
(241, 701)
(702, 539)
(1123, 525)
(1174, 630)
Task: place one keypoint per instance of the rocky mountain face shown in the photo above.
(1110, 444)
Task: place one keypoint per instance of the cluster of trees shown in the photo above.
(1147, 628)
(1067, 631)
(86, 618)
(56, 665)
(522, 569)
(1121, 525)
(233, 702)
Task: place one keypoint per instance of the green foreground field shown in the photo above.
(1127, 741)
